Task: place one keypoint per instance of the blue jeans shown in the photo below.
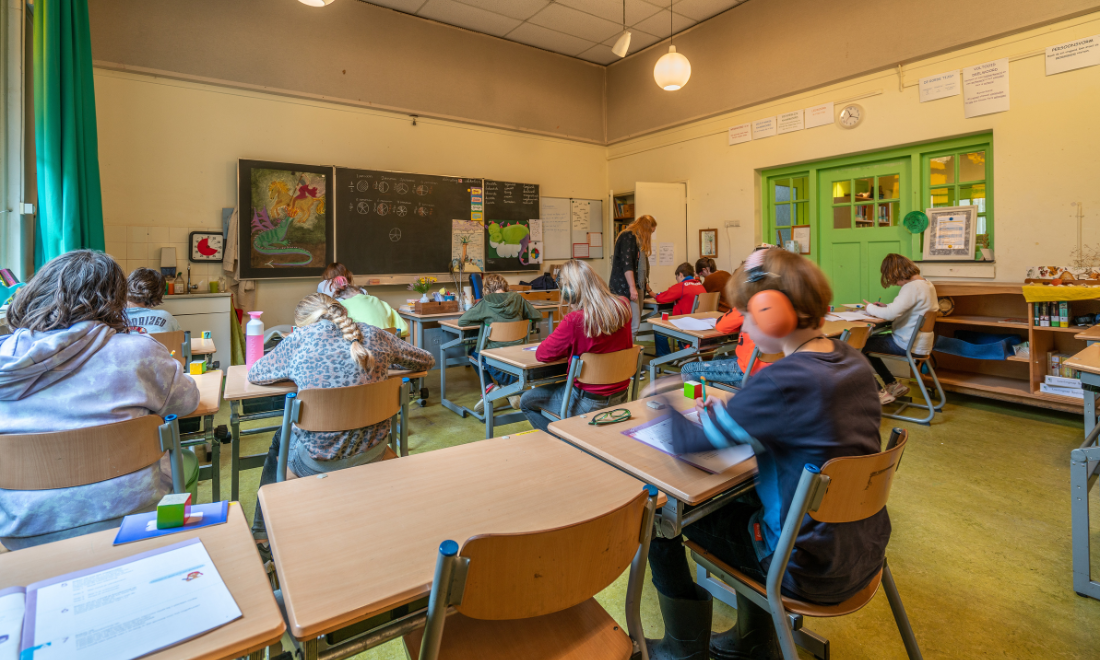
(718, 371)
(882, 344)
(662, 343)
(550, 397)
(502, 378)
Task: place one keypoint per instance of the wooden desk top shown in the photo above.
(456, 326)
(210, 393)
(686, 483)
(231, 548)
(835, 328)
(705, 334)
(445, 315)
(202, 346)
(1092, 334)
(364, 540)
(1087, 360)
(517, 357)
(237, 386)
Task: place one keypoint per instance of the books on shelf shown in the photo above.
(1062, 391)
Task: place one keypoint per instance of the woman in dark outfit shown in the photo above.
(629, 270)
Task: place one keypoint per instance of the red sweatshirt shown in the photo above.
(568, 339)
(731, 323)
(683, 294)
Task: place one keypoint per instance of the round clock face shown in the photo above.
(851, 116)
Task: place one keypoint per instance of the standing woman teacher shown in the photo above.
(630, 266)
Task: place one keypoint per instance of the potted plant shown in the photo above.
(422, 285)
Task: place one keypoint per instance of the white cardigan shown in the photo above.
(915, 299)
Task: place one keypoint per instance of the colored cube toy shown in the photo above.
(693, 389)
(206, 334)
(173, 510)
(198, 367)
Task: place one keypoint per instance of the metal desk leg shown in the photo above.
(419, 324)
(1090, 411)
(692, 349)
(215, 458)
(1080, 476)
(404, 441)
(235, 451)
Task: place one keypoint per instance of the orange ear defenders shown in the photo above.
(773, 313)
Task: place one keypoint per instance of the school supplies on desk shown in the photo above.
(849, 316)
(140, 526)
(693, 324)
(124, 609)
(657, 433)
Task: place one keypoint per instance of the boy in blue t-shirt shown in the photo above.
(145, 290)
(817, 403)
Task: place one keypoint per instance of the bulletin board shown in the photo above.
(572, 228)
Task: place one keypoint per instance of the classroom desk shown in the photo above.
(1090, 336)
(210, 401)
(837, 328)
(324, 530)
(529, 372)
(697, 341)
(202, 346)
(230, 547)
(464, 335)
(237, 389)
(417, 323)
(547, 309)
(1083, 464)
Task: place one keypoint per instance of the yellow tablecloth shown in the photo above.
(1044, 293)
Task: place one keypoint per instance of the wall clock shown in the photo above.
(851, 115)
(206, 246)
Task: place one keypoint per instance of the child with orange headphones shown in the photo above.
(815, 404)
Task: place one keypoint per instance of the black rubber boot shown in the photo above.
(753, 638)
(687, 628)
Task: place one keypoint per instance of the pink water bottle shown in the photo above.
(254, 339)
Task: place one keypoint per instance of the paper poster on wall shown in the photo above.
(580, 212)
(580, 250)
(740, 133)
(985, 88)
(819, 115)
(595, 239)
(1073, 55)
(556, 230)
(789, 122)
(535, 225)
(666, 254)
(939, 86)
(533, 254)
(472, 235)
(763, 128)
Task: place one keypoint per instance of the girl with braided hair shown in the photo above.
(328, 349)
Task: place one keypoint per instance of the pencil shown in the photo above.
(703, 380)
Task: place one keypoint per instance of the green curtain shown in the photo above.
(70, 206)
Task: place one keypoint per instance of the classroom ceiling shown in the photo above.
(586, 29)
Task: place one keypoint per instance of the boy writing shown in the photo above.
(682, 293)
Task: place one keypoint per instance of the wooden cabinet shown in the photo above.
(205, 311)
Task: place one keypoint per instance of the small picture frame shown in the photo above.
(708, 243)
(801, 233)
(205, 246)
(951, 233)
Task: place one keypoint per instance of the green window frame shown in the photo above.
(790, 205)
(961, 177)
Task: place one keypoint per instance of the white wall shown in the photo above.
(1044, 150)
(168, 154)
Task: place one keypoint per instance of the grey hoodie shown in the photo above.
(509, 306)
(84, 375)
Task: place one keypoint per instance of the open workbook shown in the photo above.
(122, 610)
(657, 433)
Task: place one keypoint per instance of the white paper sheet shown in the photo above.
(697, 325)
(474, 232)
(580, 250)
(556, 235)
(789, 122)
(131, 609)
(939, 86)
(666, 254)
(819, 115)
(740, 133)
(763, 128)
(985, 88)
(534, 225)
(950, 233)
(849, 316)
(658, 434)
(595, 239)
(12, 606)
(1073, 55)
(580, 212)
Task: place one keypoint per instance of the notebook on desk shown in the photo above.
(657, 433)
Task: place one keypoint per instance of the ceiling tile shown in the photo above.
(407, 6)
(658, 23)
(471, 18)
(521, 9)
(638, 41)
(534, 35)
(612, 10)
(700, 10)
(600, 54)
(576, 23)
(659, 3)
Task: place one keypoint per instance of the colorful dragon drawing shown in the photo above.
(272, 238)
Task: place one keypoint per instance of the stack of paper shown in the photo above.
(850, 316)
(697, 325)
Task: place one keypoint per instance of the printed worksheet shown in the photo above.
(657, 433)
(12, 606)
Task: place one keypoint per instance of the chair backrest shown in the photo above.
(929, 323)
(63, 459)
(347, 408)
(706, 302)
(393, 331)
(517, 576)
(508, 330)
(608, 368)
(859, 485)
(173, 341)
(857, 336)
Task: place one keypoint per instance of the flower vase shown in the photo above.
(424, 297)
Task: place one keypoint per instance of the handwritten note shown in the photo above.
(580, 212)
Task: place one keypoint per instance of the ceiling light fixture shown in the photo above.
(673, 69)
(623, 43)
(316, 3)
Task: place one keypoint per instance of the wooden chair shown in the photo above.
(502, 331)
(706, 302)
(857, 337)
(844, 490)
(916, 362)
(65, 459)
(338, 409)
(393, 331)
(178, 344)
(601, 369)
(530, 595)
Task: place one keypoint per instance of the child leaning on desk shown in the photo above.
(362, 307)
(682, 293)
(815, 404)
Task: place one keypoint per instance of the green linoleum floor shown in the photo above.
(981, 544)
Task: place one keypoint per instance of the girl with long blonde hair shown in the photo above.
(630, 265)
(598, 322)
(328, 349)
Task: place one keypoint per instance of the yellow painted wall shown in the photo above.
(168, 154)
(1044, 151)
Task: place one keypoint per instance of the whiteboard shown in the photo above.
(566, 221)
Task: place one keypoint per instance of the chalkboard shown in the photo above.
(398, 223)
(511, 243)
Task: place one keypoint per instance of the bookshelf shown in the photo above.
(622, 211)
(1001, 308)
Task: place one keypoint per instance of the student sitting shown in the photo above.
(814, 405)
(328, 284)
(683, 294)
(714, 280)
(916, 298)
(362, 307)
(599, 323)
(73, 363)
(731, 371)
(498, 305)
(328, 349)
(145, 290)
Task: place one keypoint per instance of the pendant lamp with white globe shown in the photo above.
(673, 69)
(316, 3)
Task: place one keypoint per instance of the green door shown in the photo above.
(859, 218)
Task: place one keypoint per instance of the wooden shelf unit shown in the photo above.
(621, 221)
(983, 307)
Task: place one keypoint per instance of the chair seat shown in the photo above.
(582, 632)
(794, 605)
